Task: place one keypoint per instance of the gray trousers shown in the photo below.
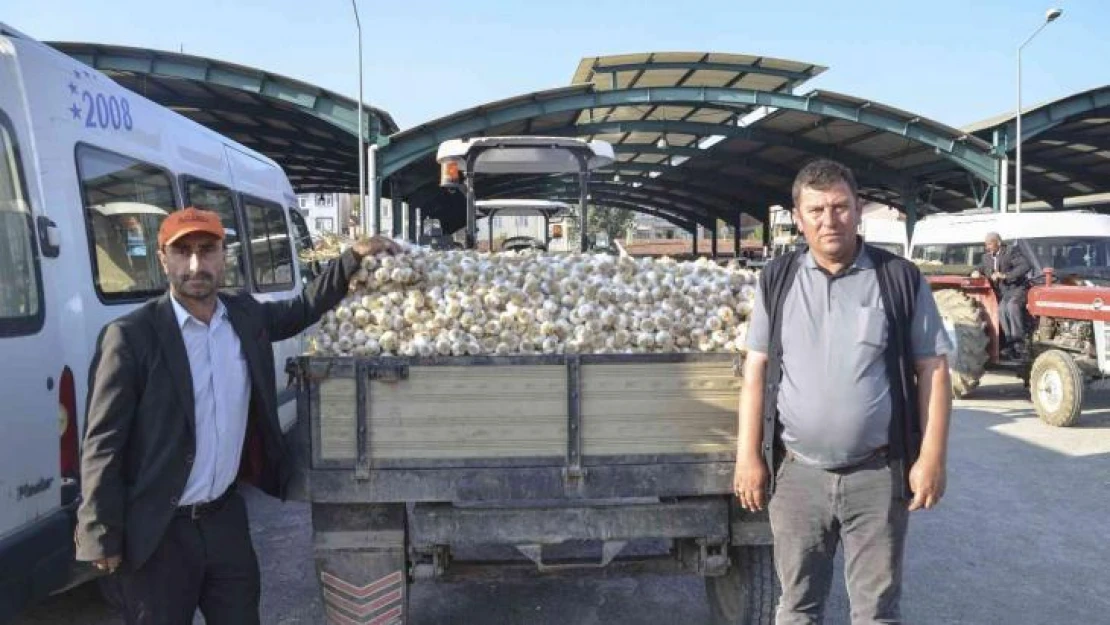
(1011, 316)
(812, 511)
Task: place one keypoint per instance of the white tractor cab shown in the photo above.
(888, 234)
(88, 170)
(553, 213)
(462, 159)
(1069, 252)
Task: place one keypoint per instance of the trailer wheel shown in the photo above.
(970, 358)
(1056, 386)
(749, 592)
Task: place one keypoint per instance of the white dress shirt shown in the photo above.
(221, 396)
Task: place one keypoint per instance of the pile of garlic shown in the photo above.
(433, 303)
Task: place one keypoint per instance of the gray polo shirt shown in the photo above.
(834, 400)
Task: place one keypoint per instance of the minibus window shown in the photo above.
(20, 290)
(125, 203)
(304, 244)
(213, 197)
(270, 246)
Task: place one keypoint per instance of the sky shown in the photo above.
(953, 61)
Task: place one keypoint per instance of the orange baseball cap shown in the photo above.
(187, 221)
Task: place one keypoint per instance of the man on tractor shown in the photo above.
(1008, 269)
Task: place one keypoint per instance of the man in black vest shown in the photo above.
(845, 387)
(1007, 269)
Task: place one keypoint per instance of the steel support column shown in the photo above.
(583, 197)
(396, 206)
(766, 227)
(998, 192)
(910, 204)
(736, 237)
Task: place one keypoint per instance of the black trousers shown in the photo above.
(207, 563)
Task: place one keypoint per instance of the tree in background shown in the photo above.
(613, 222)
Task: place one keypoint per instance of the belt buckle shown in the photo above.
(195, 512)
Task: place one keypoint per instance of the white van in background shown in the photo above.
(888, 234)
(1075, 241)
(87, 172)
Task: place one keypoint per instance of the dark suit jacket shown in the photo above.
(140, 441)
(1010, 262)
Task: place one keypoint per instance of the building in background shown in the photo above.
(326, 212)
(651, 228)
(337, 213)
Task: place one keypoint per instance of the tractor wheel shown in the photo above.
(1056, 385)
(968, 362)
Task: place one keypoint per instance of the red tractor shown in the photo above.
(1071, 345)
(1067, 342)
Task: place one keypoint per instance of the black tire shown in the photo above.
(1056, 387)
(749, 592)
(967, 365)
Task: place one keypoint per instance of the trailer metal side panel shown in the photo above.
(470, 412)
(338, 409)
(659, 408)
(483, 427)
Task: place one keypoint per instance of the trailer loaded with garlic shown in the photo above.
(573, 407)
(455, 303)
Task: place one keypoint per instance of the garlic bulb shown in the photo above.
(389, 341)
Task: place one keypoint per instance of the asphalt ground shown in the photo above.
(1022, 538)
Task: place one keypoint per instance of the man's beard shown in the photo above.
(201, 289)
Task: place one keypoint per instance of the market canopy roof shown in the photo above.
(1065, 148)
(311, 132)
(701, 137)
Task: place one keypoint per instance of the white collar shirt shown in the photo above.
(221, 397)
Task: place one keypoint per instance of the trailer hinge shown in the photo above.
(713, 558)
(738, 366)
(574, 475)
(708, 557)
(307, 370)
(428, 564)
(388, 372)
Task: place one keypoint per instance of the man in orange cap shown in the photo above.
(182, 405)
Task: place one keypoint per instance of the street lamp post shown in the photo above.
(1049, 17)
(361, 144)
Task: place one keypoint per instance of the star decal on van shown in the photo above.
(76, 110)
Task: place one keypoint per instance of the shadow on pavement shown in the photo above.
(1021, 538)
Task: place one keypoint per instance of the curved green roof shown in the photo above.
(709, 135)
